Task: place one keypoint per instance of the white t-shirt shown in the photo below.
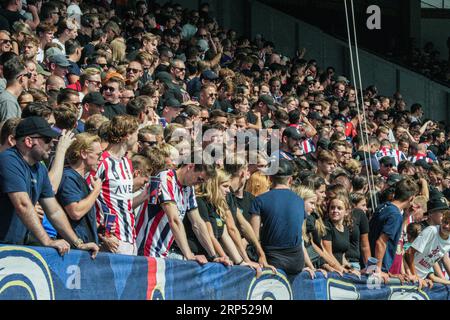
(430, 248)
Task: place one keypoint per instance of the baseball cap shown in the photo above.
(269, 101)
(52, 51)
(285, 168)
(94, 98)
(293, 133)
(35, 125)
(42, 71)
(209, 75)
(60, 60)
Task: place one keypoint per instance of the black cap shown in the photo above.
(35, 125)
(94, 98)
(292, 132)
(435, 204)
(422, 163)
(285, 168)
(269, 101)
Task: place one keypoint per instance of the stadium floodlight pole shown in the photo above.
(364, 135)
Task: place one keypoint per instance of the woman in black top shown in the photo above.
(359, 250)
(213, 208)
(339, 225)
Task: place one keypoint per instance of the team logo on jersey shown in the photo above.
(24, 274)
(270, 287)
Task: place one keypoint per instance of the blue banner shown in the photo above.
(39, 273)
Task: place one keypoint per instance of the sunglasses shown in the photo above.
(133, 70)
(2, 41)
(211, 95)
(149, 143)
(46, 140)
(110, 89)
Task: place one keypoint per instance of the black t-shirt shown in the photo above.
(208, 214)
(12, 16)
(245, 203)
(112, 110)
(360, 227)
(340, 240)
(4, 24)
(311, 228)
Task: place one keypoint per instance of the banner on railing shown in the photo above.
(41, 274)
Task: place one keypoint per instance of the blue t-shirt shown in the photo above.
(80, 126)
(74, 188)
(387, 219)
(16, 175)
(282, 214)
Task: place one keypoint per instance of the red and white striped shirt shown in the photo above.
(154, 235)
(116, 196)
(420, 156)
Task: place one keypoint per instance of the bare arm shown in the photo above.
(177, 227)
(365, 247)
(236, 236)
(56, 171)
(201, 231)
(250, 235)
(230, 247)
(215, 242)
(34, 12)
(58, 218)
(27, 214)
(255, 221)
(77, 210)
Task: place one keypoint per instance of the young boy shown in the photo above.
(432, 245)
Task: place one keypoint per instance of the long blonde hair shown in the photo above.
(307, 193)
(257, 184)
(210, 191)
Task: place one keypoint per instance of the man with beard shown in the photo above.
(24, 182)
(134, 74)
(290, 148)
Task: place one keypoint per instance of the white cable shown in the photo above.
(362, 98)
(365, 144)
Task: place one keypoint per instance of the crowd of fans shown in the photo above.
(104, 108)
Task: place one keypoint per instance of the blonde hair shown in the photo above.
(82, 142)
(210, 190)
(305, 193)
(353, 166)
(258, 184)
(118, 49)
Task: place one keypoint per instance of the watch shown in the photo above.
(78, 243)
